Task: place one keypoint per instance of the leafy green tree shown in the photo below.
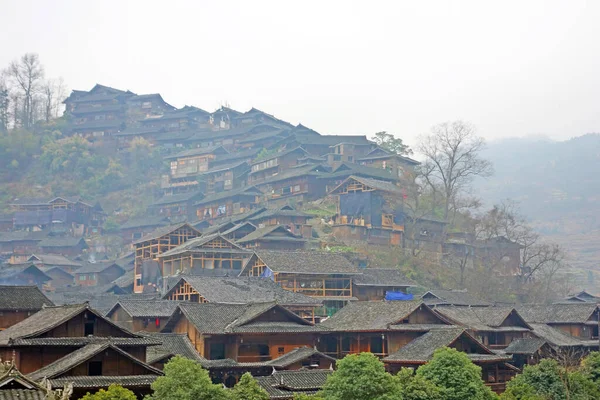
(185, 379)
(415, 387)
(391, 143)
(456, 376)
(590, 367)
(302, 396)
(360, 377)
(114, 392)
(548, 380)
(248, 389)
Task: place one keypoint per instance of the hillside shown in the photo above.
(557, 186)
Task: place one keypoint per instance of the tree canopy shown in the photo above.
(114, 392)
(248, 389)
(391, 143)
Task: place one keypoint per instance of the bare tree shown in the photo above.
(451, 152)
(4, 105)
(26, 75)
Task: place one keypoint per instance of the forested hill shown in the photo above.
(557, 185)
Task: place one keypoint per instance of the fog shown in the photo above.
(512, 68)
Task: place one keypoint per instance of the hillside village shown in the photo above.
(256, 253)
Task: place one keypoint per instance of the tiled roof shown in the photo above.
(306, 262)
(421, 349)
(172, 344)
(478, 318)
(61, 241)
(297, 355)
(47, 319)
(261, 233)
(371, 315)
(96, 267)
(214, 318)
(557, 313)
(95, 382)
(524, 346)
(295, 172)
(197, 151)
(165, 230)
(555, 336)
(147, 308)
(22, 394)
(71, 360)
(145, 221)
(280, 154)
(372, 183)
(23, 298)
(452, 297)
(245, 191)
(54, 260)
(385, 277)
(83, 341)
(282, 211)
(244, 290)
(124, 281)
(195, 244)
(283, 384)
(178, 198)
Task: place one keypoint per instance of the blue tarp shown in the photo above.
(267, 273)
(398, 296)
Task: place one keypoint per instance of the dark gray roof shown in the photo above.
(71, 360)
(557, 313)
(22, 394)
(145, 221)
(385, 277)
(21, 236)
(172, 344)
(61, 241)
(95, 382)
(371, 315)
(96, 267)
(214, 318)
(295, 172)
(525, 346)
(54, 260)
(23, 298)
(197, 151)
(421, 349)
(283, 384)
(555, 336)
(297, 355)
(244, 290)
(195, 245)
(306, 262)
(47, 319)
(452, 297)
(100, 300)
(178, 198)
(372, 183)
(285, 211)
(266, 231)
(83, 341)
(363, 172)
(147, 308)
(165, 230)
(245, 191)
(480, 318)
(124, 281)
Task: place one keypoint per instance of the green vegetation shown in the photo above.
(391, 143)
(248, 389)
(114, 392)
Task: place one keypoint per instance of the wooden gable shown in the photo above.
(422, 315)
(468, 344)
(515, 319)
(277, 313)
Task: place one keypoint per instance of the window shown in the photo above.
(146, 104)
(88, 329)
(297, 188)
(350, 158)
(82, 277)
(95, 368)
(337, 158)
(217, 351)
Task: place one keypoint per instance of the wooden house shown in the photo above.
(579, 320)
(225, 177)
(347, 152)
(194, 161)
(240, 290)
(69, 214)
(207, 252)
(369, 210)
(16, 385)
(56, 332)
(24, 274)
(59, 278)
(298, 183)
(178, 206)
(345, 170)
(496, 327)
(272, 237)
(239, 230)
(242, 332)
(379, 327)
(185, 118)
(54, 260)
(18, 303)
(529, 351)
(97, 273)
(495, 368)
(399, 166)
(280, 162)
(264, 138)
(582, 297)
(134, 229)
(142, 315)
(227, 204)
(319, 274)
(373, 283)
(148, 248)
(172, 344)
(6, 222)
(294, 220)
(255, 117)
(147, 105)
(19, 245)
(322, 145)
(63, 245)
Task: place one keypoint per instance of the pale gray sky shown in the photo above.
(510, 67)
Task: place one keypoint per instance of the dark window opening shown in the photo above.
(95, 368)
(217, 351)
